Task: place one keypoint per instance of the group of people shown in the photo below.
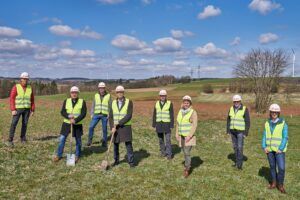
(118, 114)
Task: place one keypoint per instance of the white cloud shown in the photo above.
(209, 11)
(123, 62)
(144, 61)
(87, 53)
(147, 2)
(181, 33)
(210, 50)
(65, 30)
(46, 19)
(9, 32)
(127, 42)
(264, 6)
(179, 63)
(17, 46)
(268, 38)
(65, 43)
(111, 2)
(68, 52)
(167, 44)
(236, 41)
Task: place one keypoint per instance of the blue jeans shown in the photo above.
(96, 118)
(238, 144)
(277, 160)
(62, 141)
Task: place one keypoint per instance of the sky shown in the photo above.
(104, 39)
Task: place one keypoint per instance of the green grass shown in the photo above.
(27, 172)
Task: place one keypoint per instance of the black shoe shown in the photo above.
(115, 163)
(240, 168)
(104, 144)
(89, 143)
(132, 165)
(234, 165)
(23, 140)
(170, 158)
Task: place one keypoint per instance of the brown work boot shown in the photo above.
(56, 159)
(281, 189)
(186, 172)
(272, 185)
(76, 159)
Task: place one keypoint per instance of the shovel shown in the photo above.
(105, 163)
(71, 156)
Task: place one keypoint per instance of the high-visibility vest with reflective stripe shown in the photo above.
(101, 106)
(120, 114)
(237, 120)
(184, 124)
(76, 111)
(163, 114)
(23, 98)
(274, 140)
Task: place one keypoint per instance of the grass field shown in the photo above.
(27, 171)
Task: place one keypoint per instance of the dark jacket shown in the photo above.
(163, 127)
(124, 132)
(247, 122)
(77, 129)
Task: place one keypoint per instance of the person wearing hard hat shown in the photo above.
(120, 122)
(163, 122)
(274, 144)
(238, 124)
(100, 109)
(187, 121)
(21, 104)
(73, 111)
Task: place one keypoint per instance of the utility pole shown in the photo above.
(294, 58)
(191, 72)
(198, 71)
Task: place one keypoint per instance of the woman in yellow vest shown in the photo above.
(100, 110)
(163, 122)
(73, 112)
(274, 144)
(187, 121)
(120, 122)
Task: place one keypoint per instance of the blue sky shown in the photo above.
(141, 38)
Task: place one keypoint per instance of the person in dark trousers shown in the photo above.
(100, 109)
(274, 144)
(238, 124)
(73, 112)
(163, 122)
(21, 104)
(120, 122)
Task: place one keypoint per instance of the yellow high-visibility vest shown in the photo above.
(101, 106)
(237, 120)
(274, 140)
(23, 98)
(184, 124)
(120, 114)
(76, 111)
(163, 114)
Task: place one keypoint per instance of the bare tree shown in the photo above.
(263, 69)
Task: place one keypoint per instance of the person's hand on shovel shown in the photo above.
(72, 121)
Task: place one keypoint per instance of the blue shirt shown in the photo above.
(284, 134)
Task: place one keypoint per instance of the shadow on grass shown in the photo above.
(232, 157)
(46, 138)
(196, 162)
(175, 149)
(265, 172)
(138, 156)
(87, 151)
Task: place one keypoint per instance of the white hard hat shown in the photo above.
(162, 93)
(236, 98)
(274, 108)
(187, 97)
(101, 85)
(24, 75)
(74, 89)
(120, 88)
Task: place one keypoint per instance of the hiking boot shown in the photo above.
(115, 163)
(281, 189)
(186, 172)
(89, 143)
(131, 165)
(104, 144)
(272, 185)
(76, 159)
(56, 159)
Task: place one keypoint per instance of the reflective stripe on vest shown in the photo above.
(184, 124)
(237, 120)
(163, 114)
(76, 111)
(23, 98)
(120, 114)
(274, 140)
(101, 106)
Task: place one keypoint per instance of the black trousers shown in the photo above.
(129, 149)
(25, 113)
